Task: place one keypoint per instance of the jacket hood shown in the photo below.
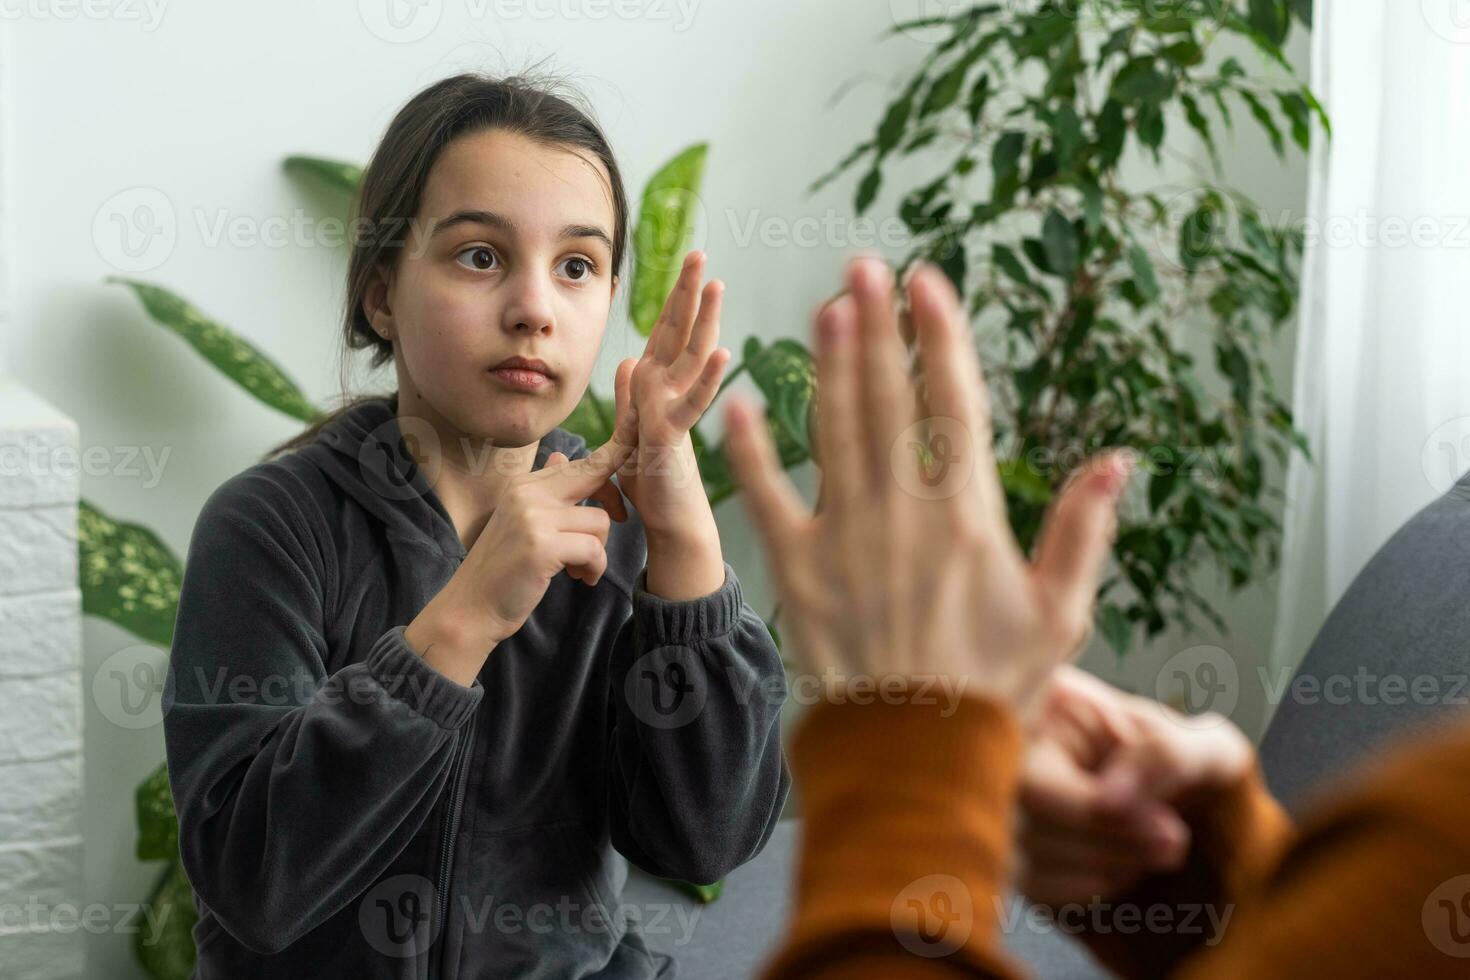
(365, 452)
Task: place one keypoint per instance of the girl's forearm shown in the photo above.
(687, 563)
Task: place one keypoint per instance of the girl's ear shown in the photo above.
(375, 305)
(615, 282)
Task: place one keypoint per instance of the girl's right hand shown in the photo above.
(536, 530)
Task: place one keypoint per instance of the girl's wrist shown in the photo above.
(455, 643)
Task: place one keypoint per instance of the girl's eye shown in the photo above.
(578, 269)
(481, 258)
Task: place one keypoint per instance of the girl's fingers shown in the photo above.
(583, 556)
(584, 520)
(702, 340)
(887, 398)
(574, 480)
(1076, 538)
(954, 385)
(694, 403)
(679, 310)
(623, 402)
(839, 432)
(611, 499)
(774, 506)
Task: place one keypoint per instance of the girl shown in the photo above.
(401, 743)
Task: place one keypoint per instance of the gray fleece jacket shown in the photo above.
(345, 810)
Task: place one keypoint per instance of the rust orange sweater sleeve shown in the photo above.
(907, 840)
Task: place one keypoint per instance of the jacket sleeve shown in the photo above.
(294, 788)
(699, 778)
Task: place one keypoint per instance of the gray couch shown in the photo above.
(1404, 618)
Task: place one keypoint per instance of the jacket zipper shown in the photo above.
(458, 766)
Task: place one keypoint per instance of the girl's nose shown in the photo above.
(529, 310)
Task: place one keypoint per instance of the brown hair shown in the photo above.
(392, 186)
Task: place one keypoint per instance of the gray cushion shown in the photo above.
(1390, 659)
(731, 937)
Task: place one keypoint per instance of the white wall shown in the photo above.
(196, 104)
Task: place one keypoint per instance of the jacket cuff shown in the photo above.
(408, 677)
(666, 622)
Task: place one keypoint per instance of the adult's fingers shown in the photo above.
(885, 392)
(1049, 847)
(774, 506)
(678, 313)
(1077, 537)
(703, 337)
(839, 428)
(1057, 887)
(954, 384)
(1055, 787)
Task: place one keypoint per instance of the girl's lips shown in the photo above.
(522, 379)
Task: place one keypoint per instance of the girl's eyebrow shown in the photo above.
(490, 218)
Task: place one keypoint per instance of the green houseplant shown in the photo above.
(130, 577)
(1112, 309)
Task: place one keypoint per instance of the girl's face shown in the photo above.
(509, 256)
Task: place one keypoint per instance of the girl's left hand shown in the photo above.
(672, 385)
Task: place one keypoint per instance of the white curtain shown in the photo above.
(1382, 385)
